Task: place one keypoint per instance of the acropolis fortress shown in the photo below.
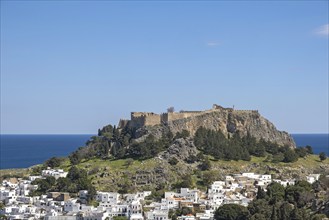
(140, 119)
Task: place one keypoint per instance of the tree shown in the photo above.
(205, 164)
(322, 156)
(231, 212)
(105, 148)
(54, 162)
(44, 185)
(208, 177)
(74, 158)
(261, 194)
(64, 185)
(259, 206)
(309, 149)
(299, 214)
(75, 174)
(186, 183)
(37, 170)
(276, 192)
(186, 211)
(285, 211)
(258, 216)
(172, 214)
(290, 156)
(301, 151)
(183, 134)
(274, 215)
(277, 158)
(299, 194)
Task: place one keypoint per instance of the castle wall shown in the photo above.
(136, 114)
(137, 122)
(140, 119)
(246, 111)
(164, 117)
(180, 115)
(123, 123)
(191, 112)
(153, 119)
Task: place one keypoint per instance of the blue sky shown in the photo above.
(73, 67)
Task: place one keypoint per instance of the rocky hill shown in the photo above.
(226, 120)
(235, 122)
(157, 151)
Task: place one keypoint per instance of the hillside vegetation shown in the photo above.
(127, 175)
(116, 160)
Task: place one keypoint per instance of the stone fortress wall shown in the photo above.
(140, 119)
(246, 111)
(171, 116)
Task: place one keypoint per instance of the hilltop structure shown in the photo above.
(140, 119)
(227, 120)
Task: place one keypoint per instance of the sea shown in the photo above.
(22, 151)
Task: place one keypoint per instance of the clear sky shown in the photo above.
(73, 67)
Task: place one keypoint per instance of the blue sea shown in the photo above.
(21, 151)
(319, 142)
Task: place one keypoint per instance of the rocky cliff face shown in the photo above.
(228, 122)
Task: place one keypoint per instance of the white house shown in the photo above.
(135, 207)
(285, 183)
(95, 216)
(216, 186)
(157, 215)
(189, 194)
(170, 194)
(55, 173)
(138, 216)
(25, 199)
(32, 178)
(118, 210)
(169, 203)
(312, 178)
(6, 193)
(107, 198)
(71, 205)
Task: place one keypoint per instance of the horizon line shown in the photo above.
(96, 133)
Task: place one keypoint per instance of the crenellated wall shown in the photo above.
(152, 119)
(246, 111)
(180, 115)
(140, 119)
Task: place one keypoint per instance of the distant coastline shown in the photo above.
(14, 153)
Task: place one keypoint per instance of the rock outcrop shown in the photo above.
(242, 122)
(228, 121)
(181, 149)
